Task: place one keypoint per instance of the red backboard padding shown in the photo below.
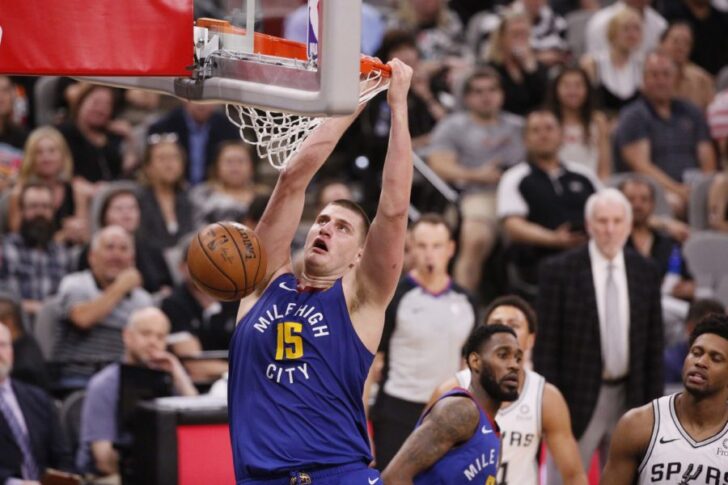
(204, 455)
(99, 37)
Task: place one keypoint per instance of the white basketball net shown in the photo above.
(278, 135)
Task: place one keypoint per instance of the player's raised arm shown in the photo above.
(282, 215)
(381, 261)
(451, 422)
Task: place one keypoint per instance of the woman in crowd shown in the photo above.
(718, 192)
(230, 187)
(94, 138)
(509, 51)
(616, 73)
(586, 130)
(164, 199)
(693, 82)
(47, 159)
(118, 205)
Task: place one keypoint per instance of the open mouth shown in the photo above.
(320, 245)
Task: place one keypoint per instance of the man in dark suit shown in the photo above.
(600, 336)
(199, 128)
(31, 439)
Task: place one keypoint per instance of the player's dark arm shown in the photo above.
(559, 437)
(381, 262)
(282, 215)
(629, 445)
(452, 421)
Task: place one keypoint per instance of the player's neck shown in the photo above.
(696, 413)
(486, 402)
(306, 280)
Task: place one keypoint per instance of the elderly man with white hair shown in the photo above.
(144, 346)
(96, 304)
(600, 326)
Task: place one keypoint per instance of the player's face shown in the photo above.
(432, 248)
(146, 338)
(334, 242)
(705, 371)
(514, 318)
(497, 366)
(609, 227)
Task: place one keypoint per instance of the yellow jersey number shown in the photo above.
(289, 341)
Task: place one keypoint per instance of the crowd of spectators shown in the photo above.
(525, 108)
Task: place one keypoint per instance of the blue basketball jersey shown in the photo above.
(297, 372)
(474, 462)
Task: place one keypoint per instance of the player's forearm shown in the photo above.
(391, 478)
(397, 172)
(315, 150)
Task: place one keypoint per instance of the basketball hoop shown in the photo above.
(278, 134)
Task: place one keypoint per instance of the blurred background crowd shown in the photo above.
(519, 111)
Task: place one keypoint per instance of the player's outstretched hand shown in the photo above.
(399, 83)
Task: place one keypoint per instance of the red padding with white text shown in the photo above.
(99, 37)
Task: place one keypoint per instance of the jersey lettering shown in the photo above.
(687, 474)
(480, 464)
(516, 438)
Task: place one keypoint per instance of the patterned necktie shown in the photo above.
(614, 356)
(30, 468)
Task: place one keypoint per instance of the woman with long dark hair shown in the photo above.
(586, 130)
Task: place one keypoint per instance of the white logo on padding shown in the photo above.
(486, 430)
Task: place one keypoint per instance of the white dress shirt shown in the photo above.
(599, 266)
(6, 391)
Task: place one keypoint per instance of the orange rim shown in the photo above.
(270, 45)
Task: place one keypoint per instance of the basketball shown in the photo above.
(226, 260)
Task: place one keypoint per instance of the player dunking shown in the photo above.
(683, 438)
(303, 347)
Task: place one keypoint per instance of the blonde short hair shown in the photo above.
(623, 16)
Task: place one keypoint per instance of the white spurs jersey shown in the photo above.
(673, 457)
(520, 425)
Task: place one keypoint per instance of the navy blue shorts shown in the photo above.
(350, 474)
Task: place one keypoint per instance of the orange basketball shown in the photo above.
(226, 260)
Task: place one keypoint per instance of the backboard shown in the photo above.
(318, 77)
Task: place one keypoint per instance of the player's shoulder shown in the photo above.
(635, 427)
(457, 411)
